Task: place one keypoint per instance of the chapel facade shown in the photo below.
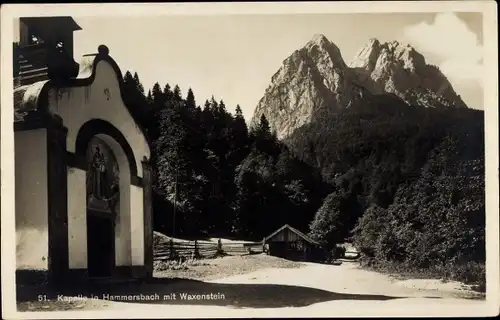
(82, 173)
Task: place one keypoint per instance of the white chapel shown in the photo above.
(82, 174)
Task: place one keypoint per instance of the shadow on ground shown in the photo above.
(233, 295)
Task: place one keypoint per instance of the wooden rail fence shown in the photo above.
(173, 250)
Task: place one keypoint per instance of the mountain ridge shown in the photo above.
(316, 78)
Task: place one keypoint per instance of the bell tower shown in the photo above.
(44, 50)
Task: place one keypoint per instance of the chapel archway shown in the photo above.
(129, 238)
(103, 206)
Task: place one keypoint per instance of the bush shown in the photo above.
(369, 228)
(180, 264)
(470, 273)
(328, 226)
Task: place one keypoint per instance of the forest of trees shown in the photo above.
(404, 183)
(215, 175)
(408, 185)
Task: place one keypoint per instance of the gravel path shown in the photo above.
(350, 278)
(265, 286)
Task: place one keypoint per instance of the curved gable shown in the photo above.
(97, 93)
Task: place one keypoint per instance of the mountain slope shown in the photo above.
(315, 79)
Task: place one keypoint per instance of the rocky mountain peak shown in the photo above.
(319, 39)
(320, 49)
(311, 78)
(388, 52)
(367, 56)
(315, 77)
(398, 68)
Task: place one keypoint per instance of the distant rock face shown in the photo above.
(315, 78)
(399, 69)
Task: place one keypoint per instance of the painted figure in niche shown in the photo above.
(102, 178)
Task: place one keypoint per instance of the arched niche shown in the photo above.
(126, 213)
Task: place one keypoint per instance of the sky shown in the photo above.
(233, 57)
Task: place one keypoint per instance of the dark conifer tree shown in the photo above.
(157, 95)
(167, 91)
(190, 100)
(138, 83)
(177, 94)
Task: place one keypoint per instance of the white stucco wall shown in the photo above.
(137, 225)
(123, 223)
(80, 104)
(77, 218)
(31, 199)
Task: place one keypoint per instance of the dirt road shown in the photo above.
(354, 291)
(349, 278)
(310, 290)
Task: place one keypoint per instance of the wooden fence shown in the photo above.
(173, 250)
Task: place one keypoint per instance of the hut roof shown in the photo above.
(286, 226)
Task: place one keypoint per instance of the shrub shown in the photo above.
(470, 273)
(328, 226)
(369, 228)
(179, 264)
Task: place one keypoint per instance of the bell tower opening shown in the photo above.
(44, 50)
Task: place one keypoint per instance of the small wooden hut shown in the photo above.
(289, 243)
